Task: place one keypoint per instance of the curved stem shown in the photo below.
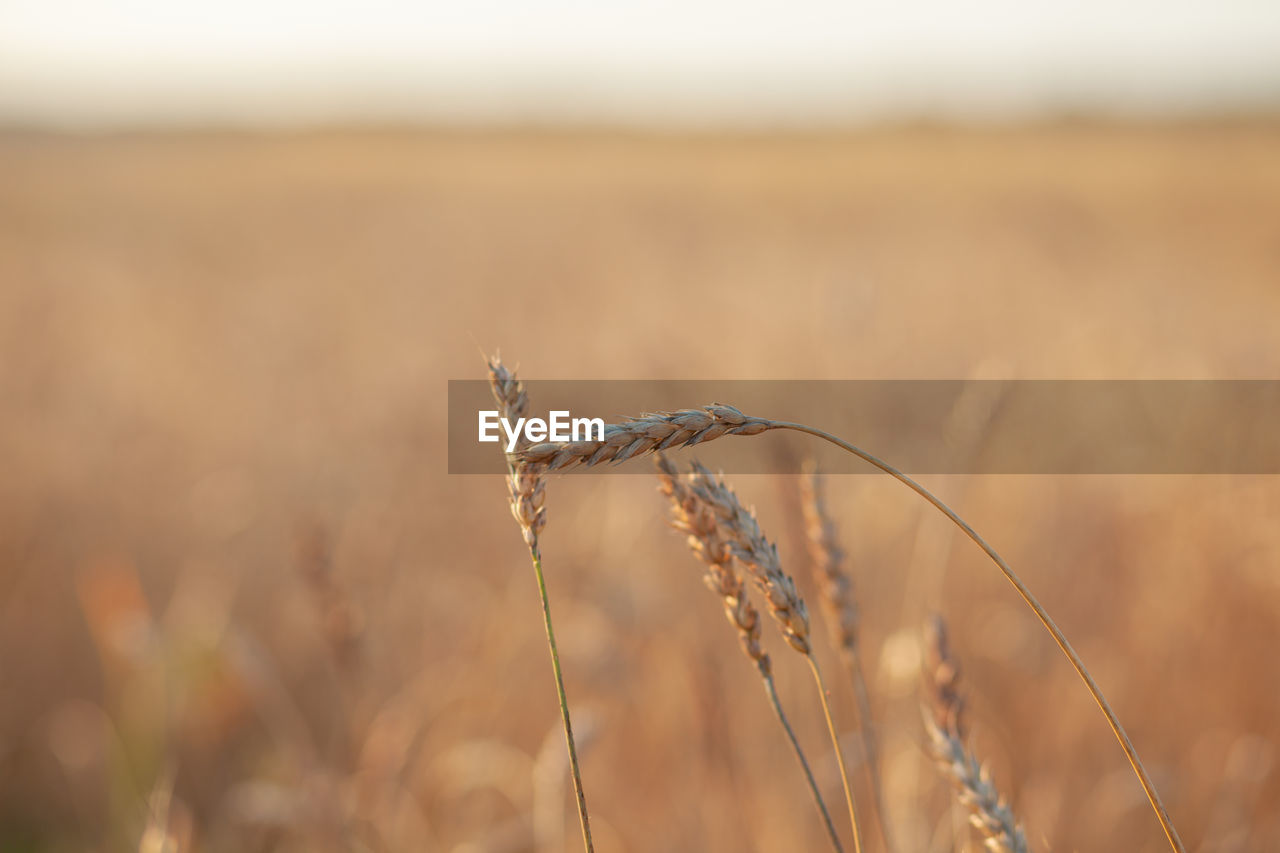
(835, 744)
(1156, 804)
(804, 763)
(564, 702)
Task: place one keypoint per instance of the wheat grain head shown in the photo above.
(525, 479)
(648, 433)
(835, 586)
(704, 537)
(946, 724)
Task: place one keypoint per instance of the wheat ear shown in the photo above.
(839, 604)
(725, 420)
(706, 541)
(945, 721)
(528, 496)
(759, 556)
(646, 434)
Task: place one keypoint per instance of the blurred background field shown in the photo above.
(234, 566)
(243, 248)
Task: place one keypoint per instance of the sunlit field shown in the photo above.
(243, 605)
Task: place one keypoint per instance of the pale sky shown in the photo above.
(701, 62)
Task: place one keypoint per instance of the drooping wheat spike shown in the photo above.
(840, 607)
(749, 546)
(527, 486)
(646, 434)
(945, 721)
(705, 539)
(655, 432)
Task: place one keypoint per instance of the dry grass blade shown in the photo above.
(946, 724)
(528, 495)
(689, 515)
(840, 607)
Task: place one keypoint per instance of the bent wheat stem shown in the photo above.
(1094, 690)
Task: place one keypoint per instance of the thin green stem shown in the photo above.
(1156, 804)
(804, 762)
(835, 744)
(564, 702)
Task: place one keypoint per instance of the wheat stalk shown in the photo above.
(706, 540)
(945, 721)
(528, 495)
(644, 434)
(835, 589)
(747, 543)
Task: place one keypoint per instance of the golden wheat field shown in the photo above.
(244, 607)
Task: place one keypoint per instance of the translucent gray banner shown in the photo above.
(926, 426)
